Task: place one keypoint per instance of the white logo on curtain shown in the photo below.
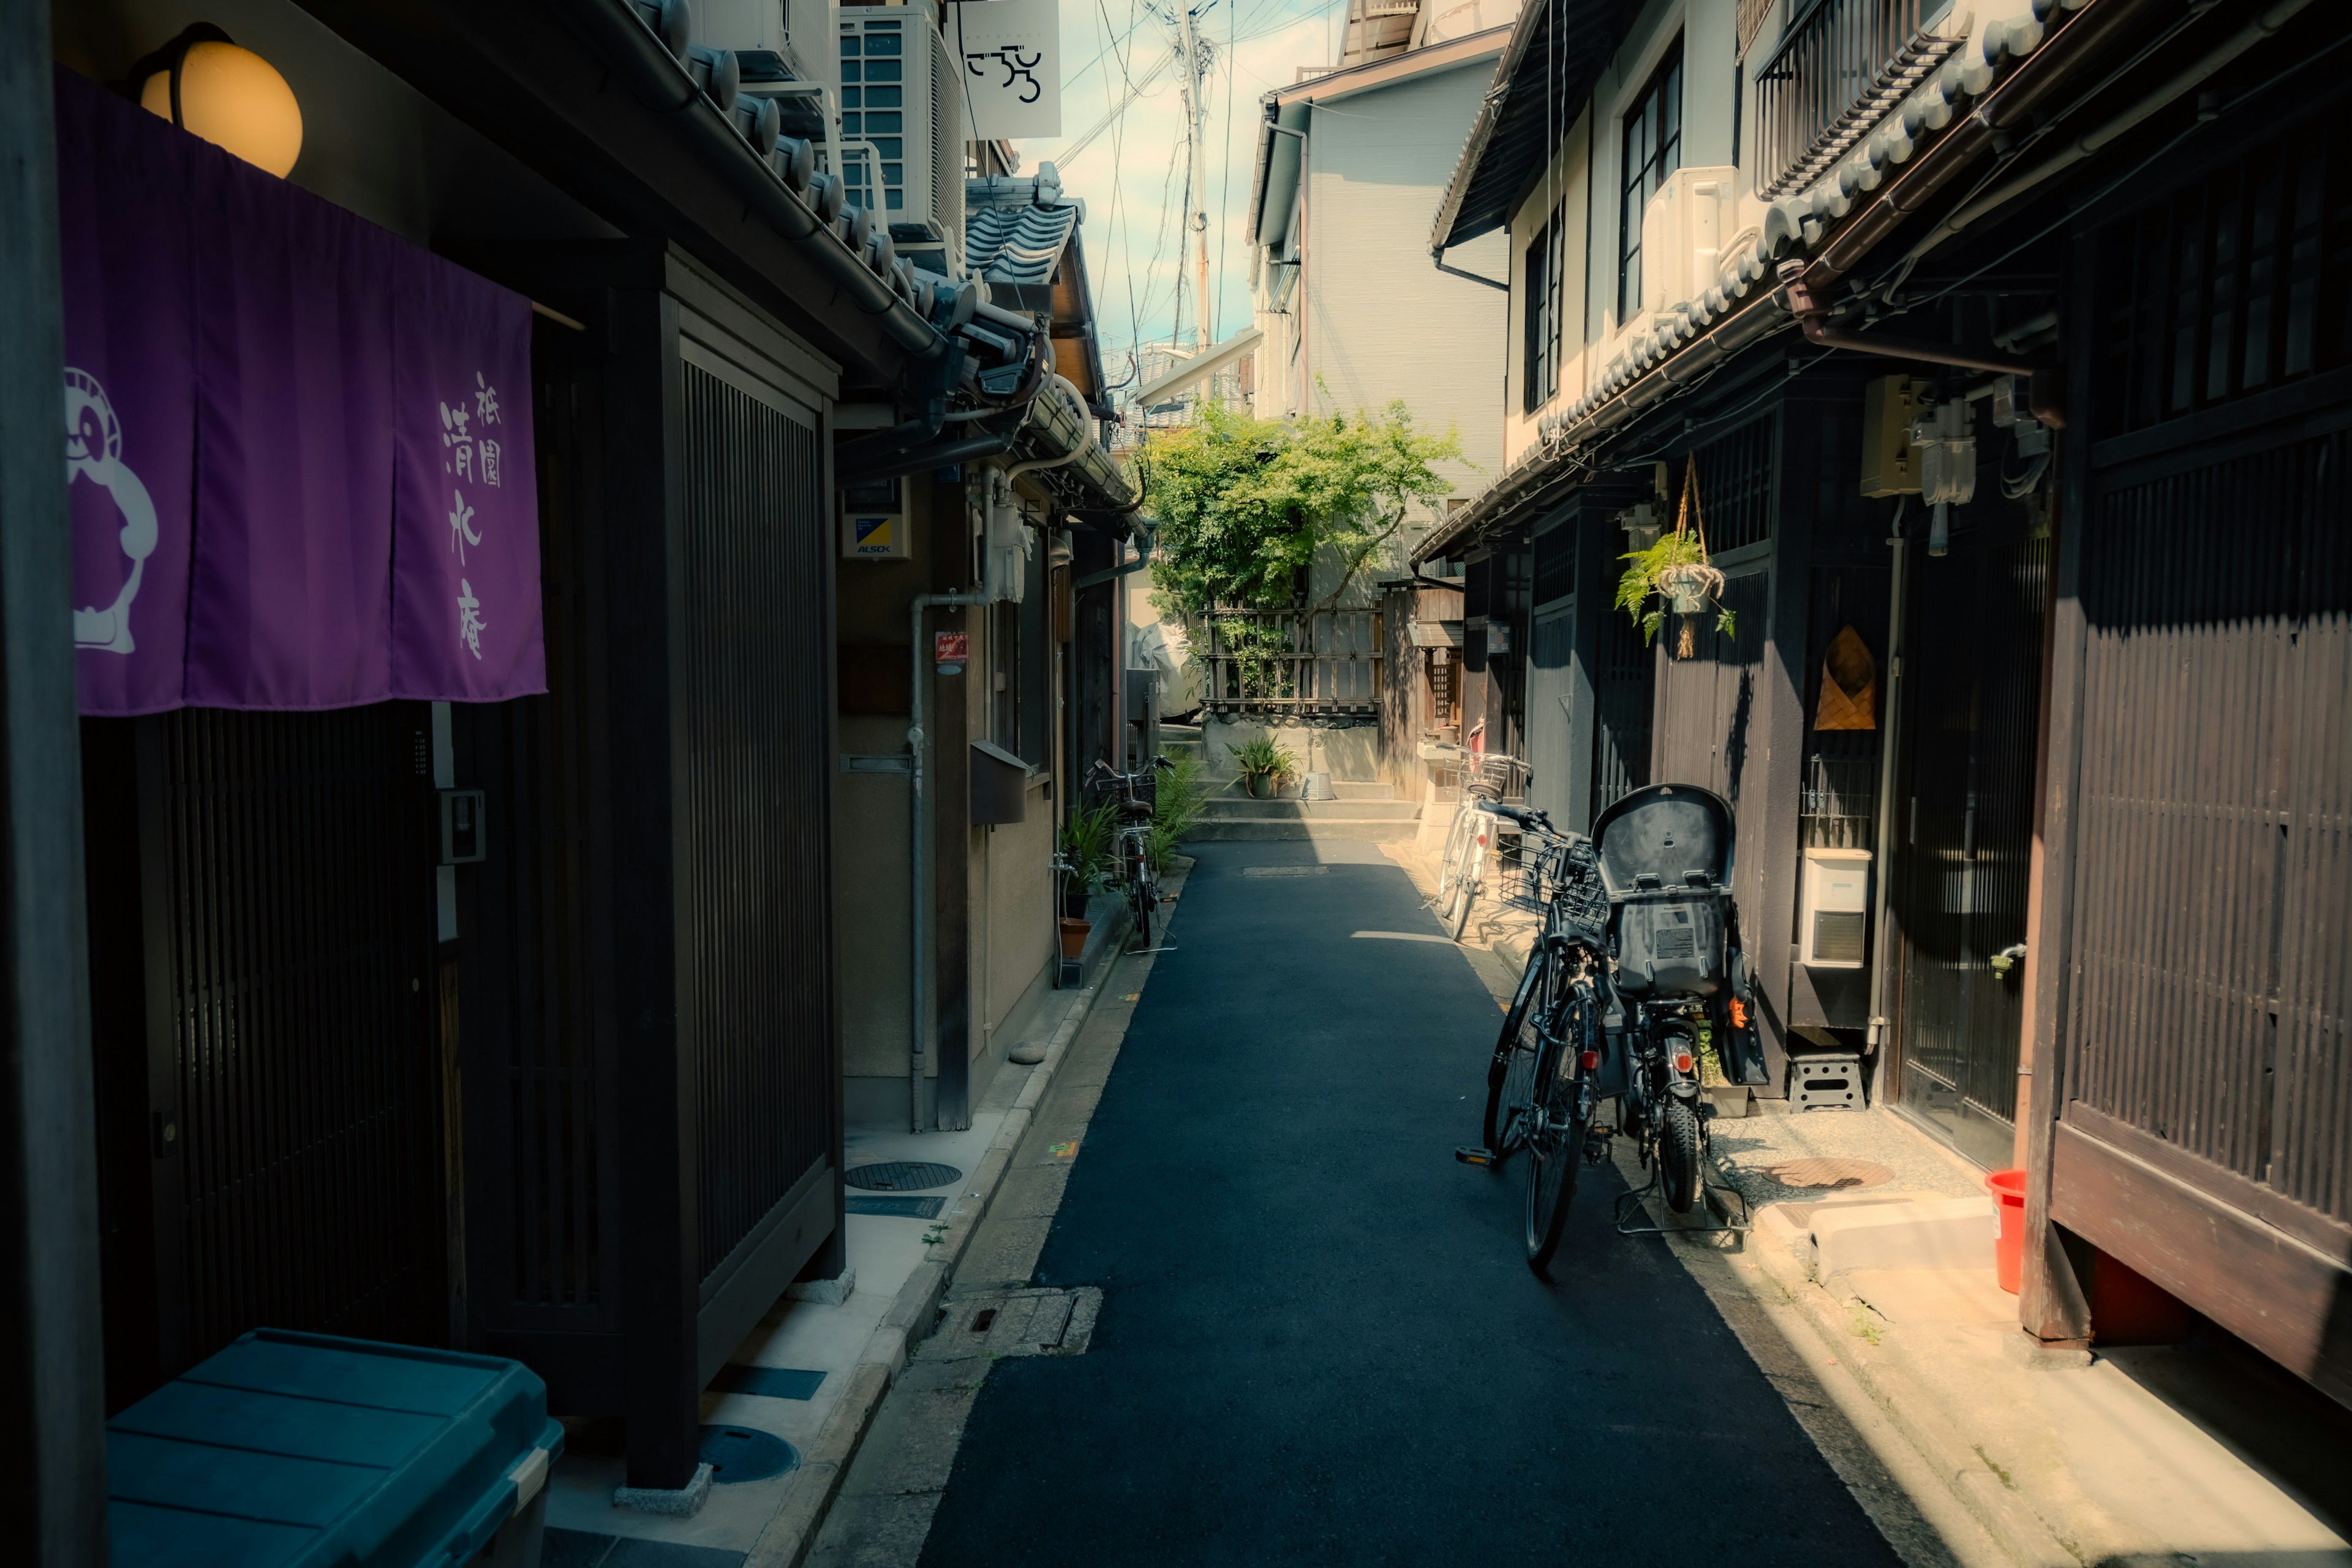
(94, 452)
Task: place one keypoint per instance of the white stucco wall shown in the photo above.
(1380, 322)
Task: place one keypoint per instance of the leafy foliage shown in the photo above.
(1245, 504)
(1678, 557)
(1085, 840)
(1262, 753)
(1176, 804)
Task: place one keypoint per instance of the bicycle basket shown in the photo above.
(1519, 872)
(1583, 897)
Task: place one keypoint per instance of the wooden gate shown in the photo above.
(1965, 827)
(261, 897)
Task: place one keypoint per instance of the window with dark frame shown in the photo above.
(1654, 149)
(1545, 261)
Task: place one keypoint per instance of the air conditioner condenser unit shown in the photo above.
(1833, 909)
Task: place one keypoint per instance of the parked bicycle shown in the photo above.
(1636, 978)
(1477, 834)
(1137, 880)
(1539, 1085)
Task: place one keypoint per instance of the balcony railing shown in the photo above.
(1840, 67)
(1290, 661)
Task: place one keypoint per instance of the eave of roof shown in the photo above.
(1510, 139)
(1273, 170)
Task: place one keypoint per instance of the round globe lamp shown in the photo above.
(229, 96)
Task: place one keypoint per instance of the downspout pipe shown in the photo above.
(918, 990)
(2044, 393)
(1144, 537)
(988, 443)
(656, 78)
(1890, 736)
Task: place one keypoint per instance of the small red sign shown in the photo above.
(951, 648)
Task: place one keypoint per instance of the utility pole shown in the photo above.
(1196, 145)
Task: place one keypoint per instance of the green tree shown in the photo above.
(1245, 504)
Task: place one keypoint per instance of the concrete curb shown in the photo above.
(1913, 1409)
(786, 1540)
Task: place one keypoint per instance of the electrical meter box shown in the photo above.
(1889, 404)
(874, 523)
(1833, 909)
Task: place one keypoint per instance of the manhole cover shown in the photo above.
(902, 1177)
(1828, 1175)
(741, 1454)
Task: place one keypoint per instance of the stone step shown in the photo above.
(1376, 831)
(1230, 808)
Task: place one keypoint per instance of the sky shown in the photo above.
(1132, 175)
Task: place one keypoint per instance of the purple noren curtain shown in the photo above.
(301, 448)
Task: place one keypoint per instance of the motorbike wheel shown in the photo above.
(1556, 1126)
(1678, 1155)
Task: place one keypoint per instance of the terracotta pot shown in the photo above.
(1074, 937)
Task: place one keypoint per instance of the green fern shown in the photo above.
(1638, 587)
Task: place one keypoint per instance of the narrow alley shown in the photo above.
(1319, 1341)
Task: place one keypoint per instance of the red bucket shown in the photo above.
(2007, 1189)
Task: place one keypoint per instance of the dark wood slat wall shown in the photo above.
(2198, 879)
(754, 893)
(537, 962)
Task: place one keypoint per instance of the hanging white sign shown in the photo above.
(1012, 56)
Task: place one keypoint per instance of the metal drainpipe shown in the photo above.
(919, 976)
(1889, 736)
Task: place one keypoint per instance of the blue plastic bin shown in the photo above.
(304, 1451)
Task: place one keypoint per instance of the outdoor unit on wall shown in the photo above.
(874, 525)
(1682, 232)
(1006, 540)
(902, 98)
(1833, 909)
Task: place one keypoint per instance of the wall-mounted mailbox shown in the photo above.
(461, 826)
(1000, 785)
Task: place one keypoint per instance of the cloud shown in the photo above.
(1132, 175)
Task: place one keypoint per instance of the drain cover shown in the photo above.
(1828, 1175)
(741, 1454)
(902, 1177)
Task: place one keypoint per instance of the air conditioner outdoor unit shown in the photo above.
(1683, 231)
(1833, 909)
(901, 118)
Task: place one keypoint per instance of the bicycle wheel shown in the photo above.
(1511, 1074)
(1465, 889)
(1678, 1154)
(1557, 1124)
(1449, 861)
(1140, 899)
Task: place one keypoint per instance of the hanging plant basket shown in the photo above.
(1673, 576)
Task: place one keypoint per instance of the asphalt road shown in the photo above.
(1320, 1341)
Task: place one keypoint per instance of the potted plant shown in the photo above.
(1265, 765)
(1676, 571)
(1082, 862)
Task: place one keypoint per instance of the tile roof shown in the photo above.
(1017, 244)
